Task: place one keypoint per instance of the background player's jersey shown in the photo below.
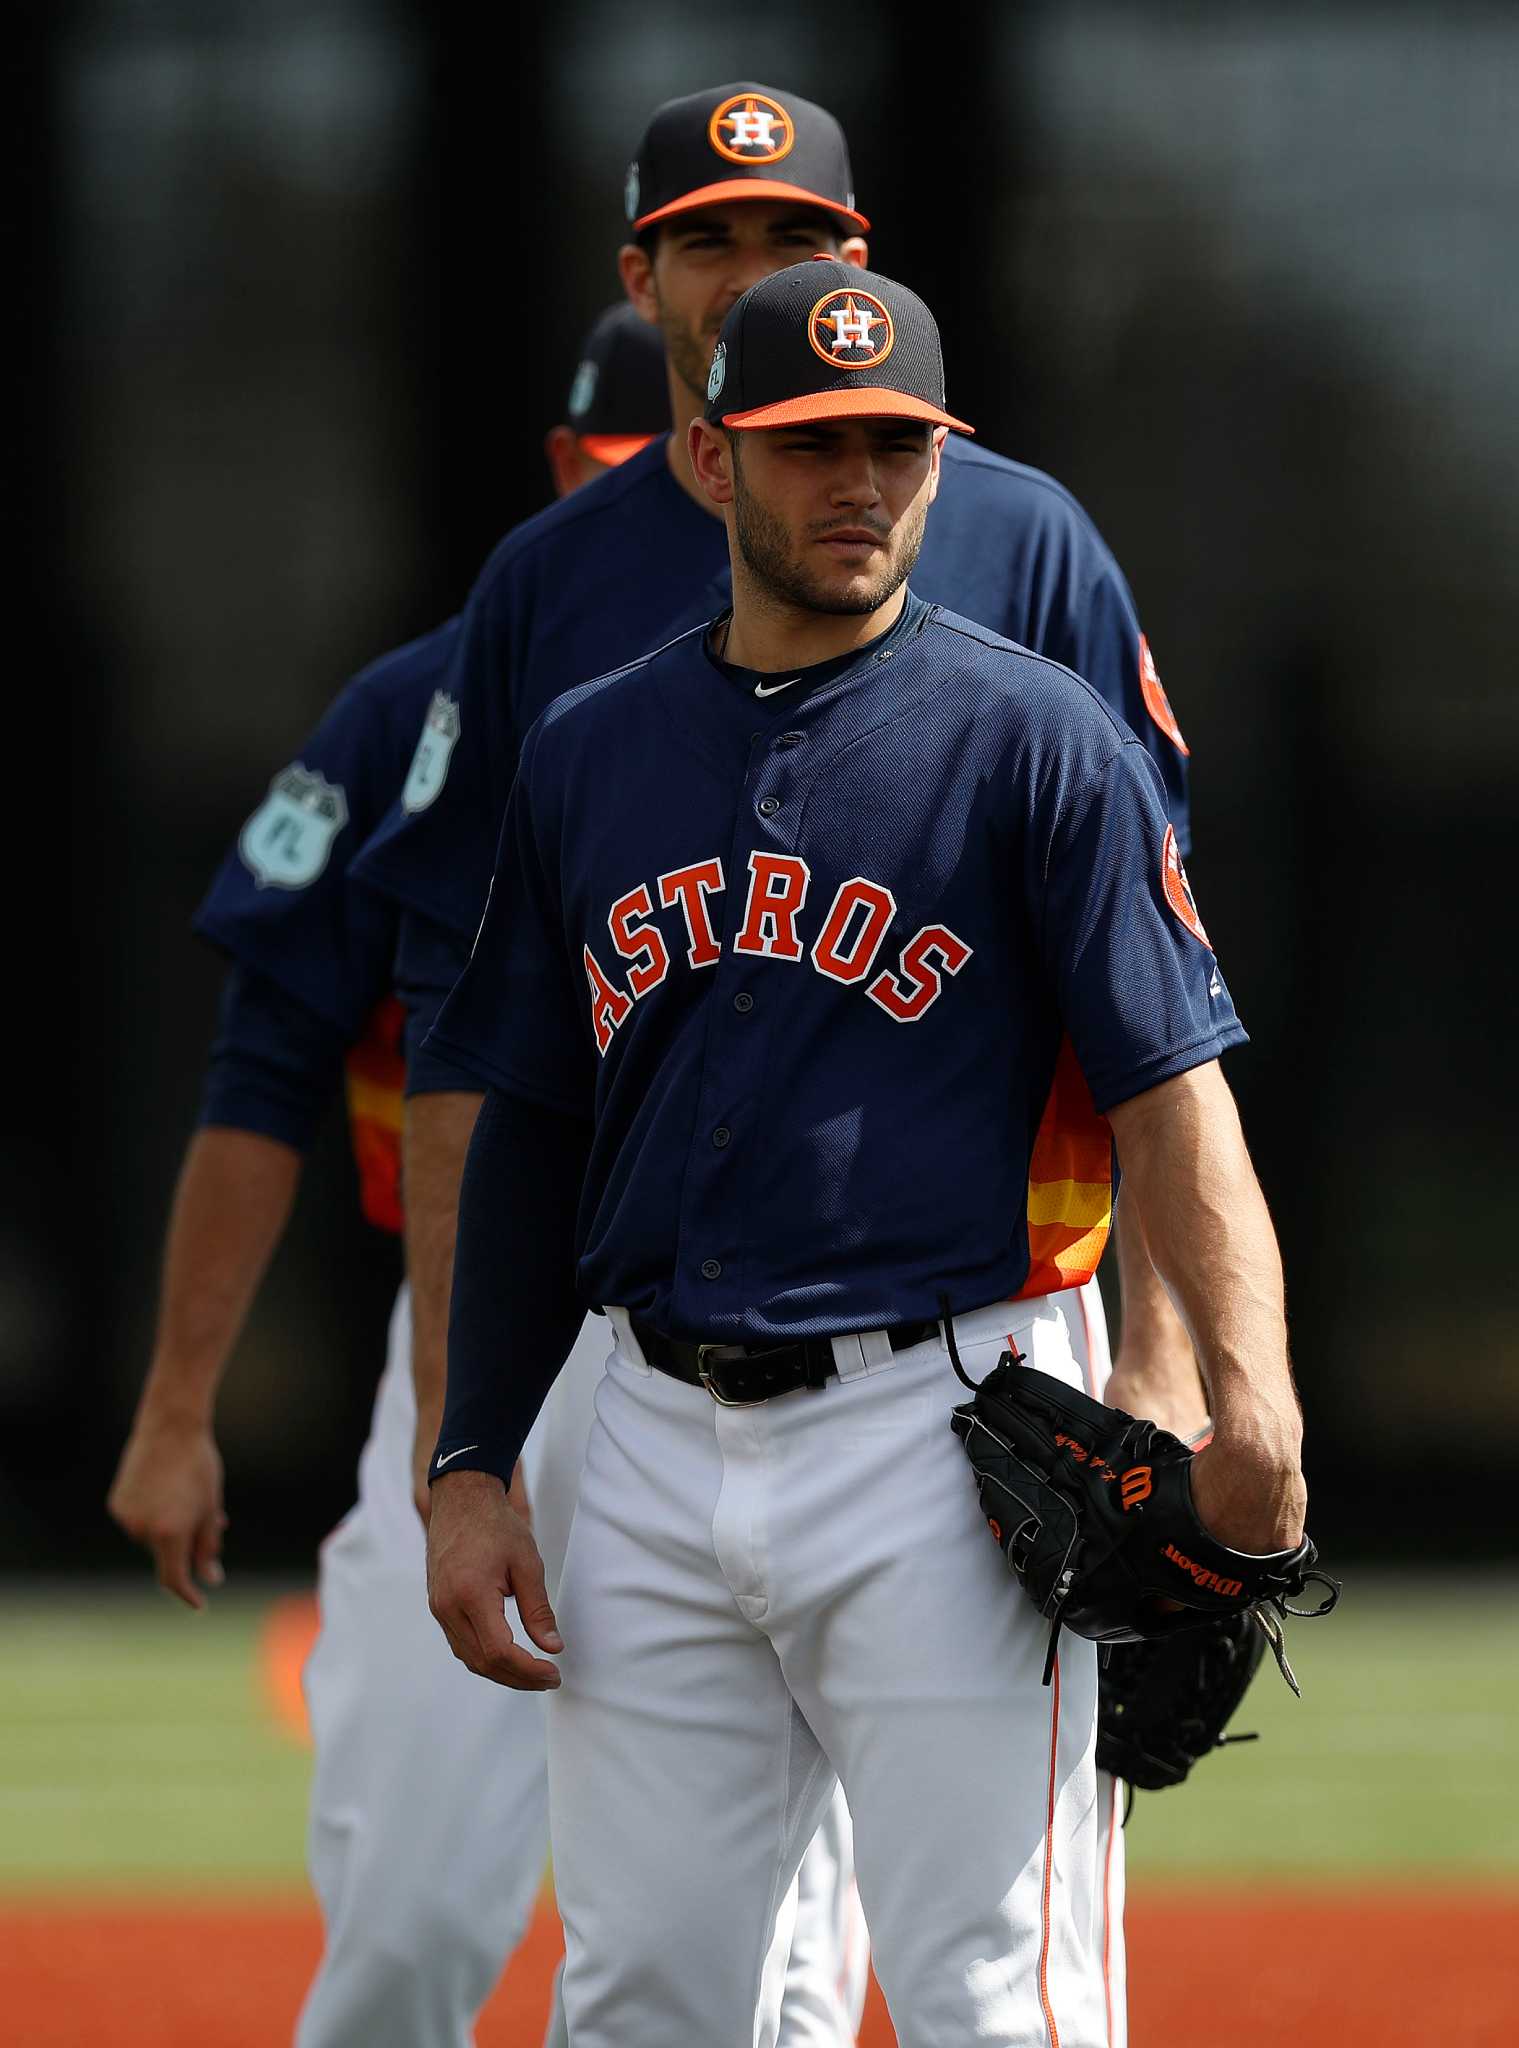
(631, 562)
(813, 981)
(282, 905)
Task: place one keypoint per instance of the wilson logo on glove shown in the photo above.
(1137, 1484)
(1228, 1589)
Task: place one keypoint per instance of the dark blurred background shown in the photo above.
(303, 284)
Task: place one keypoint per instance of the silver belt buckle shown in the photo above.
(722, 1400)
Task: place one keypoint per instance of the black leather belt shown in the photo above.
(738, 1375)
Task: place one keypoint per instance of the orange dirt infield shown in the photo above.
(1328, 1970)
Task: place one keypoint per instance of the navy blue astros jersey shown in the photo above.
(630, 562)
(283, 906)
(844, 996)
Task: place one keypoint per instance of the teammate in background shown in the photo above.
(621, 377)
(729, 185)
(777, 1011)
(426, 1854)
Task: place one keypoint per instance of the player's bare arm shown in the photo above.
(234, 1197)
(434, 1144)
(1155, 1371)
(1211, 1240)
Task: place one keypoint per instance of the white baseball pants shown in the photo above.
(428, 1827)
(756, 1600)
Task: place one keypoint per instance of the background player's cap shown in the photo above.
(826, 341)
(740, 142)
(620, 398)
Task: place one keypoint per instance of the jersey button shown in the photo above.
(791, 739)
(721, 1136)
(712, 1269)
(743, 1002)
(768, 806)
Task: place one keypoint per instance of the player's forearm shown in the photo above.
(434, 1144)
(1210, 1239)
(1155, 1370)
(515, 1310)
(1149, 1315)
(236, 1189)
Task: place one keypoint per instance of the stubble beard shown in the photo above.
(765, 545)
(689, 355)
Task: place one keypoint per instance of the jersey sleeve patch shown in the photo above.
(1179, 890)
(429, 764)
(1157, 703)
(287, 842)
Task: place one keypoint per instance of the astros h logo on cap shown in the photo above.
(768, 147)
(751, 128)
(865, 348)
(852, 328)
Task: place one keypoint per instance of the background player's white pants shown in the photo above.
(429, 1819)
(428, 1826)
(756, 1597)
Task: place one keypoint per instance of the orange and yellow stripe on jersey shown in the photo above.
(1070, 1184)
(376, 1078)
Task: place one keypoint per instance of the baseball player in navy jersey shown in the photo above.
(426, 1855)
(877, 918)
(728, 185)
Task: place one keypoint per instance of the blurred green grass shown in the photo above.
(1401, 1760)
(137, 1750)
(138, 1753)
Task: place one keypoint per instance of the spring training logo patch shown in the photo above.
(718, 372)
(583, 390)
(435, 749)
(850, 330)
(751, 128)
(630, 192)
(287, 841)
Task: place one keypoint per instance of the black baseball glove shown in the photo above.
(1093, 1511)
(1163, 1704)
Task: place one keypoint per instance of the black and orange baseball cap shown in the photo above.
(740, 142)
(620, 398)
(824, 340)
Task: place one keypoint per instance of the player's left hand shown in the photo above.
(1248, 1489)
(480, 1554)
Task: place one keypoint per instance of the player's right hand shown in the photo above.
(480, 1553)
(167, 1495)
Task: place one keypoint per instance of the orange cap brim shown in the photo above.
(728, 189)
(613, 448)
(856, 403)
